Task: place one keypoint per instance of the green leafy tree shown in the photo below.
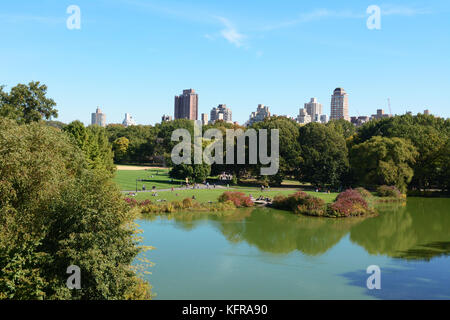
(142, 143)
(27, 103)
(444, 168)
(101, 154)
(79, 135)
(194, 172)
(93, 141)
(56, 124)
(383, 161)
(427, 133)
(324, 155)
(289, 146)
(120, 147)
(343, 127)
(55, 212)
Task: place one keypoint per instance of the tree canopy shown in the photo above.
(324, 155)
(383, 161)
(27, 103)
(55, 211)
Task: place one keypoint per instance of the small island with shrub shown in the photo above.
(352, 202)
(349, 203)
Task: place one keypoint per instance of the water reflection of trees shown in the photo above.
(419, 230)
(280, 232)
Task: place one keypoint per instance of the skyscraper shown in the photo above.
(221, 112)
(339, 105)
(204, 119)
(261, 113)
(186, 105)
(98, 118)
(313, 107)
(128, 121)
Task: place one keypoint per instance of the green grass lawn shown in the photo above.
(126, 179)
(161, 180)
(205, 195)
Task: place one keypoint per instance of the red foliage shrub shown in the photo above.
(238, 198)
(131, 202)
(349, 203)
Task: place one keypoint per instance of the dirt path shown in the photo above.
(135, 168)
(201, 187)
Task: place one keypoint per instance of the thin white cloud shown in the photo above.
(314, 15)
(190, 13)
(230, 33)
(319, 14)
(391, 10)
(21, 18)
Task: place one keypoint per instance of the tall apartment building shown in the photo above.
(314, 110)
(339, 105)
(323, 118)
(313, 107)
(98, 118)
(128, 121)
(221, 112)
(186, 105)
(303, 116)
(261, 113)
(204, 119)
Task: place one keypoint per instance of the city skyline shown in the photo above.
(186, 106)
(136, 54)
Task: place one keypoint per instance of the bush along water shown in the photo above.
(349, 203)
(389, 194)
(239, 199)
(301, 203)
(227, 201)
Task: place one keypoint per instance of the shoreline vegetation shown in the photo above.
(349, 203)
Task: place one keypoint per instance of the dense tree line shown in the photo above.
(410, 152)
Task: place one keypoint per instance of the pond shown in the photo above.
(262, 253)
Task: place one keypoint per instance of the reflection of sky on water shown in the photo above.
(409, 280)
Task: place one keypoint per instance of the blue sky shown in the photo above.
(135, 55)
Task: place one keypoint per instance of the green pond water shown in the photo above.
(262, 253)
